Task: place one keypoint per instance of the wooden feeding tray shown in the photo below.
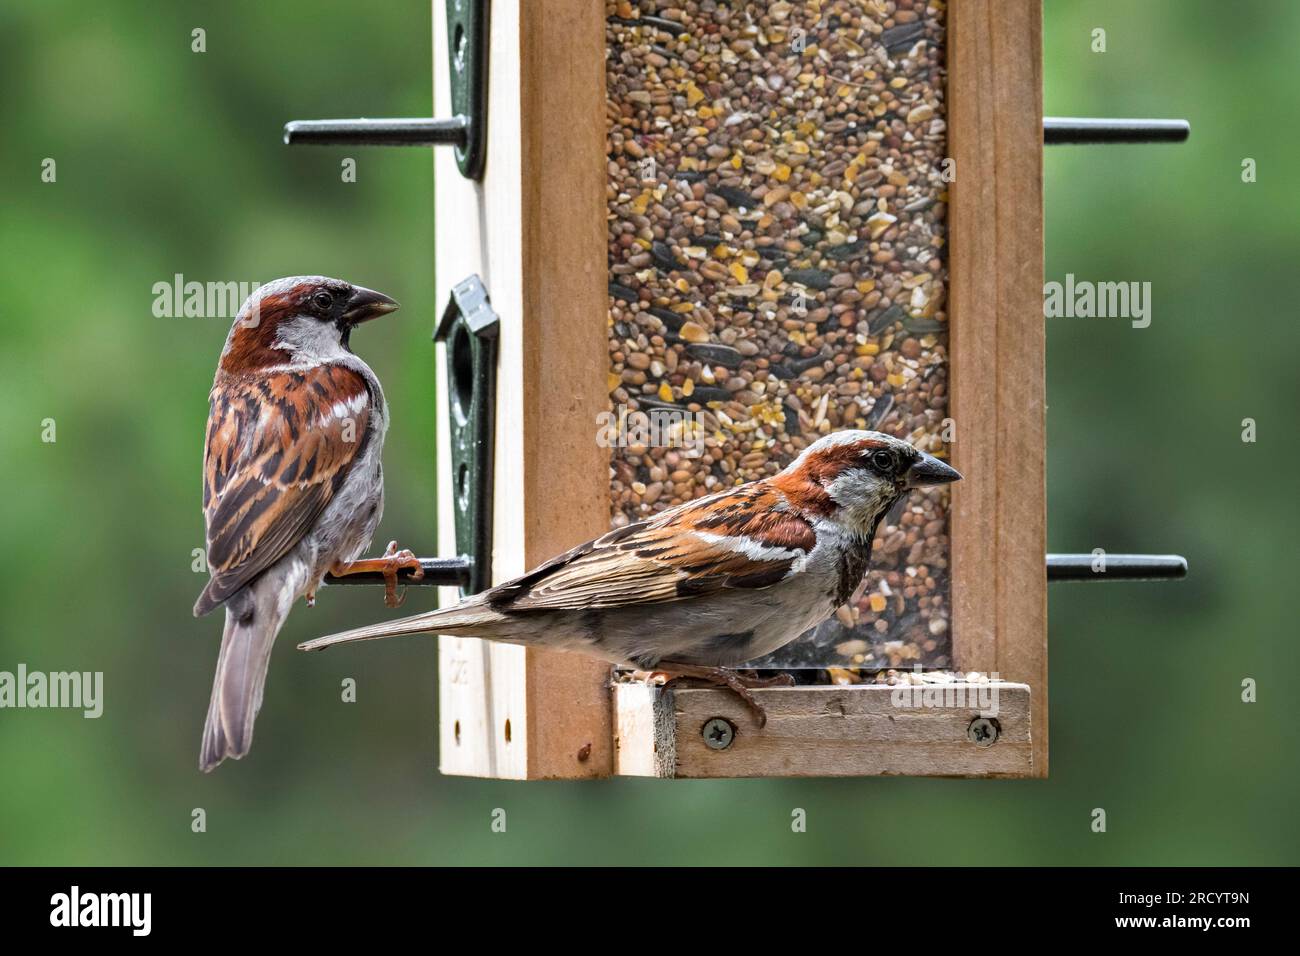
(825, 731)
(775, 219)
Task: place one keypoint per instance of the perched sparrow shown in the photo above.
(707, 585)
(292, 484)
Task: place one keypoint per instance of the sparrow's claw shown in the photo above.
(397, 561)
(737, 686)
(391, 597)
(388, 565)
(736, 683)
(776, 680)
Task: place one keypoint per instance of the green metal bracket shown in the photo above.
(467, 52)
(469, 330)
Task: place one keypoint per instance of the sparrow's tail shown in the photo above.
(237, 687)
(465, 619)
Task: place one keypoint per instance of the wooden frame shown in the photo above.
(999, 391)
(534, 229)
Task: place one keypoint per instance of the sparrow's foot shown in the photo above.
(397, 561)
(736, 683)
(776, 680)
(392, 561)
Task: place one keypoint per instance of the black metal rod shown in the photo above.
(377, 132)
(1119, 567)
(438, 572)
(1061, 130)
(455, 572)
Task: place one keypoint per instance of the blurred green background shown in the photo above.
(169, 161)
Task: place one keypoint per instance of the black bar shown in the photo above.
(1092, 901)
(455, 572)
(438, 572)
(377, 132)
(1061, 130)
(1119, 567)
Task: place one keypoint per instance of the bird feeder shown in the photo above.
(712, 232)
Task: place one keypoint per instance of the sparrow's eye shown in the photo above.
(322, 300)
(883, 461)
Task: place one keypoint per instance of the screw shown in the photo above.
(718, 733)
(983, 731)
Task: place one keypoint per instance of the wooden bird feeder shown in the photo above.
(760, 221)
(537, 228)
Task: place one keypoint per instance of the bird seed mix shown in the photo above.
(777, 192)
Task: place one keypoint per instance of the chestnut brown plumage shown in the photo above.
(292, 483)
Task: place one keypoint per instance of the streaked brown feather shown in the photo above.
(689, 551)
(274, 456)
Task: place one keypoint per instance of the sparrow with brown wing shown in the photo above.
(709, 584)
(292, 483)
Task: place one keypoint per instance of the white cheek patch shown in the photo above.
(860, 492)
(310, 341)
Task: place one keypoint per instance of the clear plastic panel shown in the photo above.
(777, 253)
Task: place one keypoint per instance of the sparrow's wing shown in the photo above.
(738, 539)
(278, 447)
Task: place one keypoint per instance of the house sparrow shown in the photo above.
(709, 584)
(292, 483)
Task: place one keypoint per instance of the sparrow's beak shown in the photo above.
(929, 470)
(367, 304)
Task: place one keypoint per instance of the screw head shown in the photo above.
(983, 731)
(718, 733)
